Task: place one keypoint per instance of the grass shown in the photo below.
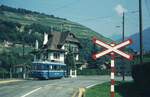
(102, 90)
(122, 89)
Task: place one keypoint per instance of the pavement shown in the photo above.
(5, 81)
(64, 87)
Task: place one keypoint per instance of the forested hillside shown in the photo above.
(19, 28)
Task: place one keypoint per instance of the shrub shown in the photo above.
(4, 73)
(93, 72)
(141, 75)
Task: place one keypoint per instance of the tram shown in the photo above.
(48, 70)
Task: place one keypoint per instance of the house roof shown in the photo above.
(57, 39)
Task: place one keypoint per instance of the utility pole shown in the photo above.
(123, 65)
(140, 30)
(51, 28)
(23, 45)
(123, 26)
(61, 27)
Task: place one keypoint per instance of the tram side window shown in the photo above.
(54, 67)
(50, 67)
(39, 67)
(42, 67)
(35, 66)
(57, 67)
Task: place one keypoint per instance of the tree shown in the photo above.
(70, 61)
(9, 59)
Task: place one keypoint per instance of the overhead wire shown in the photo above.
(95, 18)
(65, 5)
(147, 4)
(91, 19)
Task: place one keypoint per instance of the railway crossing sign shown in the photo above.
(112, 49)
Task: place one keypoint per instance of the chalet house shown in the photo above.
(56, 46)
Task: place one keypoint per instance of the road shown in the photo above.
(49, 88)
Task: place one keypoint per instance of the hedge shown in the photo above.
(141, 75)
(87, 71)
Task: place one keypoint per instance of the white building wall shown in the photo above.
(60, 59)
(63, 47)
(62, 55)
(69, 44)
(50, 56)
(74, 46)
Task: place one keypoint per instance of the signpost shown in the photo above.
(112, 49)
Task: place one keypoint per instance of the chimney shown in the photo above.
(36, 45)
(45, 39)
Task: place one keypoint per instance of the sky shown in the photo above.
(103, 16)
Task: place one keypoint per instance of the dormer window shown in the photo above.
(71, 35)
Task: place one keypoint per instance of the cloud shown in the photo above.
(120, 9)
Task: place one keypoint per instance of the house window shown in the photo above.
(71, 35)
(56, 55)
(76, 49)
(66, 47)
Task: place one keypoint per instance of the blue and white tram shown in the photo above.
(47, 70)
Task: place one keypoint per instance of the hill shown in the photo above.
(21, 28)
(26, 18)
(146, 42)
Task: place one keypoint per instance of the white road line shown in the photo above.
(31, 92)
(49, 85)
(90, 86)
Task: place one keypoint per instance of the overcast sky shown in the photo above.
(100, 15)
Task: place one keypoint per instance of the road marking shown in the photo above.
(31, 92)
(75, 94)
(8, 81)
(48, 85)
(90, 86)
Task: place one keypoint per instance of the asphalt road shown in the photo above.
(49, 88)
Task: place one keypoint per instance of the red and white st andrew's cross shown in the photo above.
(112, 48)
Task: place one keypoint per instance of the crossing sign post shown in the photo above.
(112, 49)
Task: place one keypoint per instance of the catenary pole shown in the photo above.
(140, 30)
(123, 34)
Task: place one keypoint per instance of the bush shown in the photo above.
(4, 73)
(92, 72)
(141, 75)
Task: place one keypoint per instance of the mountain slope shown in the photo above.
(146, 40)
(23, 27)
(26, 17)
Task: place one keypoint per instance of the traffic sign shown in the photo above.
(112, 49)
